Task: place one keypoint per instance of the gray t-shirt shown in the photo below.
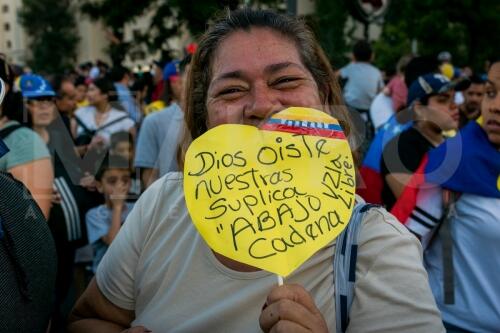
(158, 140)
(160, 267)
(364, 81)
(25, 146)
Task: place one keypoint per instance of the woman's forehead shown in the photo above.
(494, 74)
(253, 50)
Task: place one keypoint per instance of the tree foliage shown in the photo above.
(329, 23)
(115, 14)
(169, 16)
(53, 38)
(465, 28)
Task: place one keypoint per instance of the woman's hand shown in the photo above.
(290, 308)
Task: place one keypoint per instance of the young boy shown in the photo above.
(122, 144)
(104, 221)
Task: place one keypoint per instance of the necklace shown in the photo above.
(101, 117)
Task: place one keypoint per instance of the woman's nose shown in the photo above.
(264, 103)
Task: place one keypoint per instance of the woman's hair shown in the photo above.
(106, 87)
(13, 107)
(291, 28)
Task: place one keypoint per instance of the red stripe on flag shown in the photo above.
(406, 203)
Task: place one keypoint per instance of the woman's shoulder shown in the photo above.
(382, 234)
(378, 220)
(122, 117)
(84, 112)
(162, 193)
(113, 112)
(84, 109)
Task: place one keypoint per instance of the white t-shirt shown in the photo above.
(87, 115)
(364, 81)
(160, 267)
(381, 110)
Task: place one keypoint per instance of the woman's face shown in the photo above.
(42, 111)
(256, 74)
(95, 96)
(490, 107)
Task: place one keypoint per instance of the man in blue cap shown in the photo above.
(173, 82)
(160, 131)
(431, 99)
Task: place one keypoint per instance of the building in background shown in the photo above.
(12, 36)
(94, 38)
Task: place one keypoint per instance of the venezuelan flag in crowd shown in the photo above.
(466, 163)
(371, 182)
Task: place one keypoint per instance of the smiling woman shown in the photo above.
(160, 274)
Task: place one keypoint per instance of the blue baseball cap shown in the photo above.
(171, 69)
(34, 86)
(433, 84)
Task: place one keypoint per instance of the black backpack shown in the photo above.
(27, 260)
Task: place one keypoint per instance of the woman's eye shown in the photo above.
(491, 94)
(286, 82)
(229, 91)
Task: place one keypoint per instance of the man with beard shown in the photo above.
(471, 107)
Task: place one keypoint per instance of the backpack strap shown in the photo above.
(117, 120)
(8, 130)
(92, 132)
(82, 125)
(344, 265)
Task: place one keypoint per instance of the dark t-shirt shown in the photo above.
(402, 154)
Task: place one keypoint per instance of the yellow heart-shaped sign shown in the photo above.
(271, 197)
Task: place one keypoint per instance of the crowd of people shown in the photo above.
(101, 149)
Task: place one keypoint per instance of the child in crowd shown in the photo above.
(104, 221)
(122, 144)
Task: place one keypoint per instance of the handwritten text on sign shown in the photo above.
(271, 198)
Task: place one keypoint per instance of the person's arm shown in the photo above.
(95, 313)
(392, 292)
(38, 177)
(118, 205)
(116, 217)
(148, 176)
(397, 182)
(290, 308)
